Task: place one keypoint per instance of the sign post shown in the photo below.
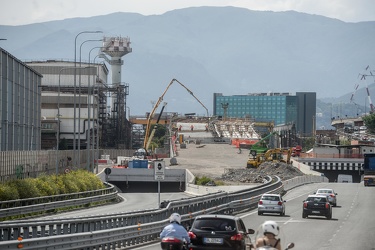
(159, 167)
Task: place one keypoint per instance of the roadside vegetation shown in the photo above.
(205, 181)
(45, 187)
(369, 121)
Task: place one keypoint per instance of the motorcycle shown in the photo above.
(173, 243)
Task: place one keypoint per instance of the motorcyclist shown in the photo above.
(175, 229)
(268, 240)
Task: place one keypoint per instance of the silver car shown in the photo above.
(271, 203)
(330, 193)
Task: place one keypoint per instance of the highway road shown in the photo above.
(131, 202)
(351, 227)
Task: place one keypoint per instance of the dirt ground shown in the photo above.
(223, 162)
(210, 160)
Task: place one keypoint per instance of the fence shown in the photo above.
(26, 164)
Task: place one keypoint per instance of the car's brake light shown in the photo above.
(327, 205)
(279, 203)
(332, 195)
(236, 237)
(192, 235)
(305, 204)
(260, 202)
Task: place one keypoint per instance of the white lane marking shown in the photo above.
(346, 217)
(292, 198)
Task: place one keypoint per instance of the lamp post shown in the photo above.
(58, 112)
(97, 124)
(75, 84)
(89, 117)
(79, 94)
(131, 127)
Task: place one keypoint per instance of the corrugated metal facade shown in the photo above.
(20, 105)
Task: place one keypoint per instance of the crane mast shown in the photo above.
(148, 136)
(363, 77)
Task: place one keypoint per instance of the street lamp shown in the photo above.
(89, 117)
(79, 94)
(75, 84)
(131, 128)
(58, 113)
(97, 123)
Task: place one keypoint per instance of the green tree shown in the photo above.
(159, 136)
(369, 121)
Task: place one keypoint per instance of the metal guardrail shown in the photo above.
(34, 205)
(122, 231)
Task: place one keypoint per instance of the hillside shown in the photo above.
(212, 49)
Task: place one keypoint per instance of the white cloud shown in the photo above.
(33, 11)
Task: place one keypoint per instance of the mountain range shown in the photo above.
(228, 50)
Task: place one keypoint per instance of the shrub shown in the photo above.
(8, 193)
(69, 183)
(26, 188)
(46, 187)
(202, 180)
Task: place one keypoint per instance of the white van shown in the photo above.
(345, 178)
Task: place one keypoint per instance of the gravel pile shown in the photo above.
(257, 175)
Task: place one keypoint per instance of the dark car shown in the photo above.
(317, 205)
(219, 232)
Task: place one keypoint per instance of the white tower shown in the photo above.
(116, 47)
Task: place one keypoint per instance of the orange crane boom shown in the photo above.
(147, 139)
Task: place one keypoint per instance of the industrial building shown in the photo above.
(20, 102)
(79, 108)
(279, 108)
(65, 105)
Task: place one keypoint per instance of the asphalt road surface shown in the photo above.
(350, 228)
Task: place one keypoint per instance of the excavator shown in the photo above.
(260, 147)
(274, 155)
(149, 135)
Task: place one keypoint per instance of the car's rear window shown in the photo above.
(325, 191)
(213, 224)
(317, 199)
(270, 198)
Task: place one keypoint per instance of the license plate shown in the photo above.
(213, 240)
(315, 212)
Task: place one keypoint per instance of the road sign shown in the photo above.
(159, 167)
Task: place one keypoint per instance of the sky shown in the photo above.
(20, 12)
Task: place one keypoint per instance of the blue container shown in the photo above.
(136, 163)
(144, 164)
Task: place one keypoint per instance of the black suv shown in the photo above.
(317, 205)
(219, 232)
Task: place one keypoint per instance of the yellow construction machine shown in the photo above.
(274, 155)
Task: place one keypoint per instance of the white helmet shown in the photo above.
(175, 217)
(270, 227)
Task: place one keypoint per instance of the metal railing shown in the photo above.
(128, 229)
(45, 203)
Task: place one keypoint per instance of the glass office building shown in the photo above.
(280, 108)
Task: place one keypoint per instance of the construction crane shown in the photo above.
(363, 77)
(148, 137)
